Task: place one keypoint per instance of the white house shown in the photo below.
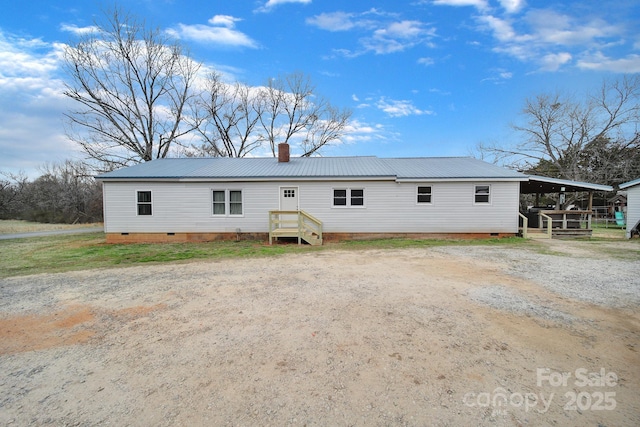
(192, 199)
(633, 206)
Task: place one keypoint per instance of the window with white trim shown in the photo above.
(482, 194)
(235, 202)
(346, 197)
(219, 204)
(144, 202)
(226, 202)
(424, 194)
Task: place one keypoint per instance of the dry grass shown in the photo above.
(15, 226)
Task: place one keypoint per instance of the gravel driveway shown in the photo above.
(448, 336)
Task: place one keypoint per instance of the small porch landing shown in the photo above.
(296, 224)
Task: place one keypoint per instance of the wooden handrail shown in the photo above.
(304, 223)
(525, 225)
(549, 224)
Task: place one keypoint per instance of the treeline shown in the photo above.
(64, 193)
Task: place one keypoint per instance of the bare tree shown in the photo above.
(132, 86)
(292, 108)
(226, 117)
(579, 140)
(63, 193)
(11, 187)
(239, 119)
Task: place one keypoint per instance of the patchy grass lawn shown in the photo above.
(87, 251)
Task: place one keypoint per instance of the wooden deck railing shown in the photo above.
(298, 224)
(569, 219)
(561, 224)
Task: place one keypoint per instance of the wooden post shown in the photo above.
(590, 209)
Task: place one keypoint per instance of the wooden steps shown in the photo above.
(311, 238)
(297, 224)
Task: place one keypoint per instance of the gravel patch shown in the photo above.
(506, 299)
(587, 277)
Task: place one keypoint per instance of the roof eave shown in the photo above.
(247, 179)
(464, 179)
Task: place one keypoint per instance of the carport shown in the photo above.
(557, 221)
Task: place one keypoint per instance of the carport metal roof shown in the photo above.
(542, 185)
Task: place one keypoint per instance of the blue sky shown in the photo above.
(423, 77)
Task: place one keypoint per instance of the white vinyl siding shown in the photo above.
(633, 207)
(390, 207)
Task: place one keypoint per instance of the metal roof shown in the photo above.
(630, 184)
(543, 184)
(220, 168)
(424, 168)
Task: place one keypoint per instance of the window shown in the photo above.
(424, 194)
(339, 197)
(348, 197)
(218, 202)
(144, 202)
(227, 202)
(235, 202)
(288, 193)
(482, 193)
(357, 197)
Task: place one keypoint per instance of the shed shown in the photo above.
(633, 206)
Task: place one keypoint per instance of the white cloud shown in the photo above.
(400, 108)
(554, 28)
(224, 20)
(502, 29)
(553, 61)
(426, 61)
(499, 77)
(335, 21)
(79, 31)
(269, 5)
(398, 36)
(357, 131)
(600, 62)
(220, 32)
(512, 6)
(538, 36)
(480, 4)
(28, 64)
(386, 35)
(31, 105)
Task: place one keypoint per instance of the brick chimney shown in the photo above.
(283, 152)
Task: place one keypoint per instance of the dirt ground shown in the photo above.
(438, 336)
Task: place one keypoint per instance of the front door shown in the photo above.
(289, 202)
(288, 198)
